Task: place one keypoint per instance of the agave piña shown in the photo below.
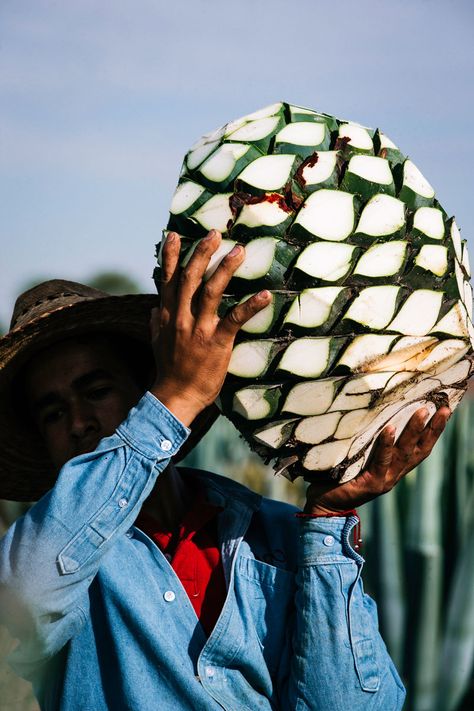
(371, 311)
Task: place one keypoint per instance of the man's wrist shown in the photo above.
(184, 407)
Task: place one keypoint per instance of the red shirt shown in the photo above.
(195, 557)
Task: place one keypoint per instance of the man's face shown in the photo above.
(78, 393)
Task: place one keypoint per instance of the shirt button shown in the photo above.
(328, 540)
(209, 671)
(166, 445)
(129, 533)
(169, 596)
(122, 503)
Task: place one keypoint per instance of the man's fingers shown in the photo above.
(243, 312)
(433, 430)
(214, 288)
(412, 431)
(382, 454)
(170, 271)
(191, 276)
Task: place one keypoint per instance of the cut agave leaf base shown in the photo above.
(371, 310)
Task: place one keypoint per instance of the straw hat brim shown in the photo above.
(26, 472)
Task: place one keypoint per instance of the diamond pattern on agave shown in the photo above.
(371, 311)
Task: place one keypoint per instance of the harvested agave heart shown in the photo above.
(371, 311)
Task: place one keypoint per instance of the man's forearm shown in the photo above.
(339, 660)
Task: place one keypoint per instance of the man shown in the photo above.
(216, 598)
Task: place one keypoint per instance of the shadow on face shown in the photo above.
(79, 390)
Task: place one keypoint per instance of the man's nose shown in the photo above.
(82, 420)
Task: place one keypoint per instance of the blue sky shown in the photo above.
(100, 100)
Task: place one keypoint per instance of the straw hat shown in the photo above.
(51, 312)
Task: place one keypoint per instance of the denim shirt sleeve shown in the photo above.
(339, 659)
(49, 557)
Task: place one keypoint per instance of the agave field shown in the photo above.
(371, 311)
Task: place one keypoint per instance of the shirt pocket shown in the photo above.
(269, 593)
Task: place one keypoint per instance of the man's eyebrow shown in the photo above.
(83, 381)
(88, 378)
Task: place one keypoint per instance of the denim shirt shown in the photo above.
(105, 625)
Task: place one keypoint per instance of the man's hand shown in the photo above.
(389, 462)
(191, 344)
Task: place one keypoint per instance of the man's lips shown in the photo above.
(85, 447)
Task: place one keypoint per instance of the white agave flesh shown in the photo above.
(322, 169)
(365, 351)
(311, 398)
(357, 392)
(251, 403)
(186, 195)
(358, 135)
(371, 168)
(313, 430)
(262, 320)
(276, 434)
(457, 373)
(302, 133)
(268, 172)
(353, 422)
(383, 215)
(215, 213)
(418, 314)
(255, 130)
(326, 456)
(414, 179)
(454, 322)
(312, 307)
(251, 359)
(443, 355)
(433, 258)
(456, 239)
(262, 213)
(382, 259)
(306, 357)
(385, 142)
(266, 112)
(374, 307)
(405, 354)
(429, 220)
(199, 154)
(328, 214)
(465, 260)
(259, 256)
(325, 260)
(468, 299)
(352, 470)
(222, 162)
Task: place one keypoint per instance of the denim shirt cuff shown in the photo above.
(326, 540)
(151, 429)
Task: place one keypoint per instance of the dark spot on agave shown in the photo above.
(239, 199)
(308, 163)
(341, 143)
(292, 199)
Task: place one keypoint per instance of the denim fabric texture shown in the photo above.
(105, 625)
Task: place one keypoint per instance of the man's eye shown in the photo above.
(52, 416)
(99, 393)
